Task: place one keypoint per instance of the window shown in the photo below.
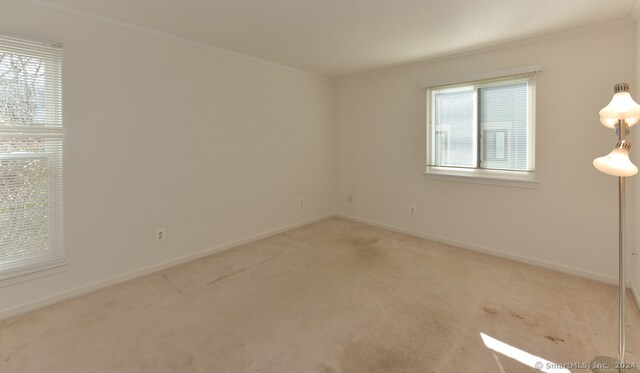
(483, 128)
(30, 157)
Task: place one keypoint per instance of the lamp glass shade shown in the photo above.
(616, 163)
(622, 106)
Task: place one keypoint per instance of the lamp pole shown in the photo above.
(622, 130)
(626, 112)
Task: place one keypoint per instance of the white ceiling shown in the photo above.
(338, 38)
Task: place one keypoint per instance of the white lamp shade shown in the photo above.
(616, 163)
(622, 106)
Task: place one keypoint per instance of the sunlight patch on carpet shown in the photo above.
(524, 357)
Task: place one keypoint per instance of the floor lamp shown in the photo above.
(621, 113)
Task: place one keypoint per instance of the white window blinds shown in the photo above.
(31, 231)
(487, 124)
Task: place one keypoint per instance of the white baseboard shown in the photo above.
(502, 254)
(43, 302)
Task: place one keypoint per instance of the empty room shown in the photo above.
(319, 186)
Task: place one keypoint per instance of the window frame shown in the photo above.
(515, 178)
(50, 133)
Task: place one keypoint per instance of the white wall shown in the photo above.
(568, 222)
(212, 146)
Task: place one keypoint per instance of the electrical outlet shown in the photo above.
(412, 210)
(301, 202)
(350, 198)
(161, 234)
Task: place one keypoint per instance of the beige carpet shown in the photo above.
(334, 296)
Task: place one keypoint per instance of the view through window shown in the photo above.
(482, 125)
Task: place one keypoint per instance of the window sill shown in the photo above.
(487, 177)
(16, 278)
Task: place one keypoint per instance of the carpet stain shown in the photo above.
(554, 339)
(363, 247)
(515, 315)
(370, 252)
(490, 310)
(494, 311)
(358, 241)
(327, 369)
(375, 357)
(239, 271)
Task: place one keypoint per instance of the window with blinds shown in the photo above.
(31, 234)
(482, 125)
